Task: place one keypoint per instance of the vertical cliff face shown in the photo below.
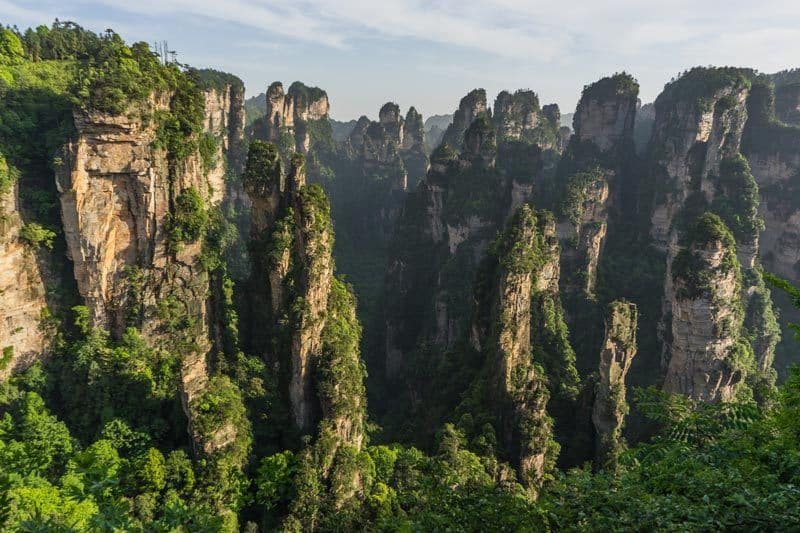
(292, 283)
(709, 357)
(309, 331)
(517, 114)
(446, 226)
(591, 173)
(298, 117)
(518, 327)
(114, 202)
(22, 285)
(472, 105)
(699, 134)
(699, 121)
(773, 151)
(133, 214)
(413, 147)
(606, 112)
(224, 123)
(616, 356)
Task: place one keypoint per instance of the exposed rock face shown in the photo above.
(114, 200)
(518, 326)
(295, 113)
(606, 112)
(413, 147)
(303, 320)
(707, 353)
(23, 339)
(445, 228)
(472, 105)
(292, 242)
(442, 223)
(591, 192)
(392, 122)
(526, 263)
(224, 120)
(773, 150)
(118, 193)
(616, 356)
(699, 121)
(517, 114)
(313, 246)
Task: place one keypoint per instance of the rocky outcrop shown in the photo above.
(472, 105)
(708, 355)
(24, 336)
(773, 151)
(522, 264)
(516, 115)
(616, 356)
(449, 220)
(224, 123)
(114, 202)
(591, 172)
(607, 111)
(699, 121)
(303, 322)
(299, 115)
(292, 283)
(413, 149)
(124, 197)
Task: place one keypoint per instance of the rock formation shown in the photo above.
(309, 332)
(472, 105)
(616, 356)
(708, 354)
(448, 222)
(518, 327)
(298, 118)
(124, 201)
(591, 174)
(696, 144)
(699, 121)
(292, 283)
(23, 305)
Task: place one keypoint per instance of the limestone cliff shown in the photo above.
(590, 174)
(616, 356)
(23, 305)
(129, 206)
(303, 322)
(296, 119)
(518, 328)
(708, 355)
(472, 105)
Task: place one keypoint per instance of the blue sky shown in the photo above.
(430, 53)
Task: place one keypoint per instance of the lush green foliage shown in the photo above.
(188, 220)
(694, 275)
(737, 203)
(37, 235)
